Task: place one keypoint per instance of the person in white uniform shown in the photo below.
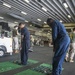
(71, 51)
(31, 43)
(15, 40)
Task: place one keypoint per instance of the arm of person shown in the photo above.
(18, 33)
(54, 35)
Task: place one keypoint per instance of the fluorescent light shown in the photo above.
(45, 22)
(26, 1)
(26, 21)
(23, 12)
(15, 22)
(1, 17)
(65, 5)
(7, 5)
(44, 9)
(69, 16)
(61, 21)
(39, 19)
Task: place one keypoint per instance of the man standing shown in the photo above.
(61, 42)
(15, 39)
(31, 43)
(25, 43)
(71, 51)
(73, 46)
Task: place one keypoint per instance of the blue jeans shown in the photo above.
(59, 56)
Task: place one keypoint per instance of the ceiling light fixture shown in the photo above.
(1, 17)
(45, 22)
(23, 12)
(65, 5)
(61, 21)
(7, 5)
(26, 21)
(39, 19)
(44, 9)
(26, 1)
(69, 16)
(15, 22)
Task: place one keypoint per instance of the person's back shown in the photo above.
(26, 33)
(61, 43)
(61, 29)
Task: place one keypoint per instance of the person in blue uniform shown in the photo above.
(61, 43)
(25, 43)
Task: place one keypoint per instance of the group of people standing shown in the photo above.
(24, 44)
(61, 43)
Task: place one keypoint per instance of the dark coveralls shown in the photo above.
(25, 43)
(61, 42)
